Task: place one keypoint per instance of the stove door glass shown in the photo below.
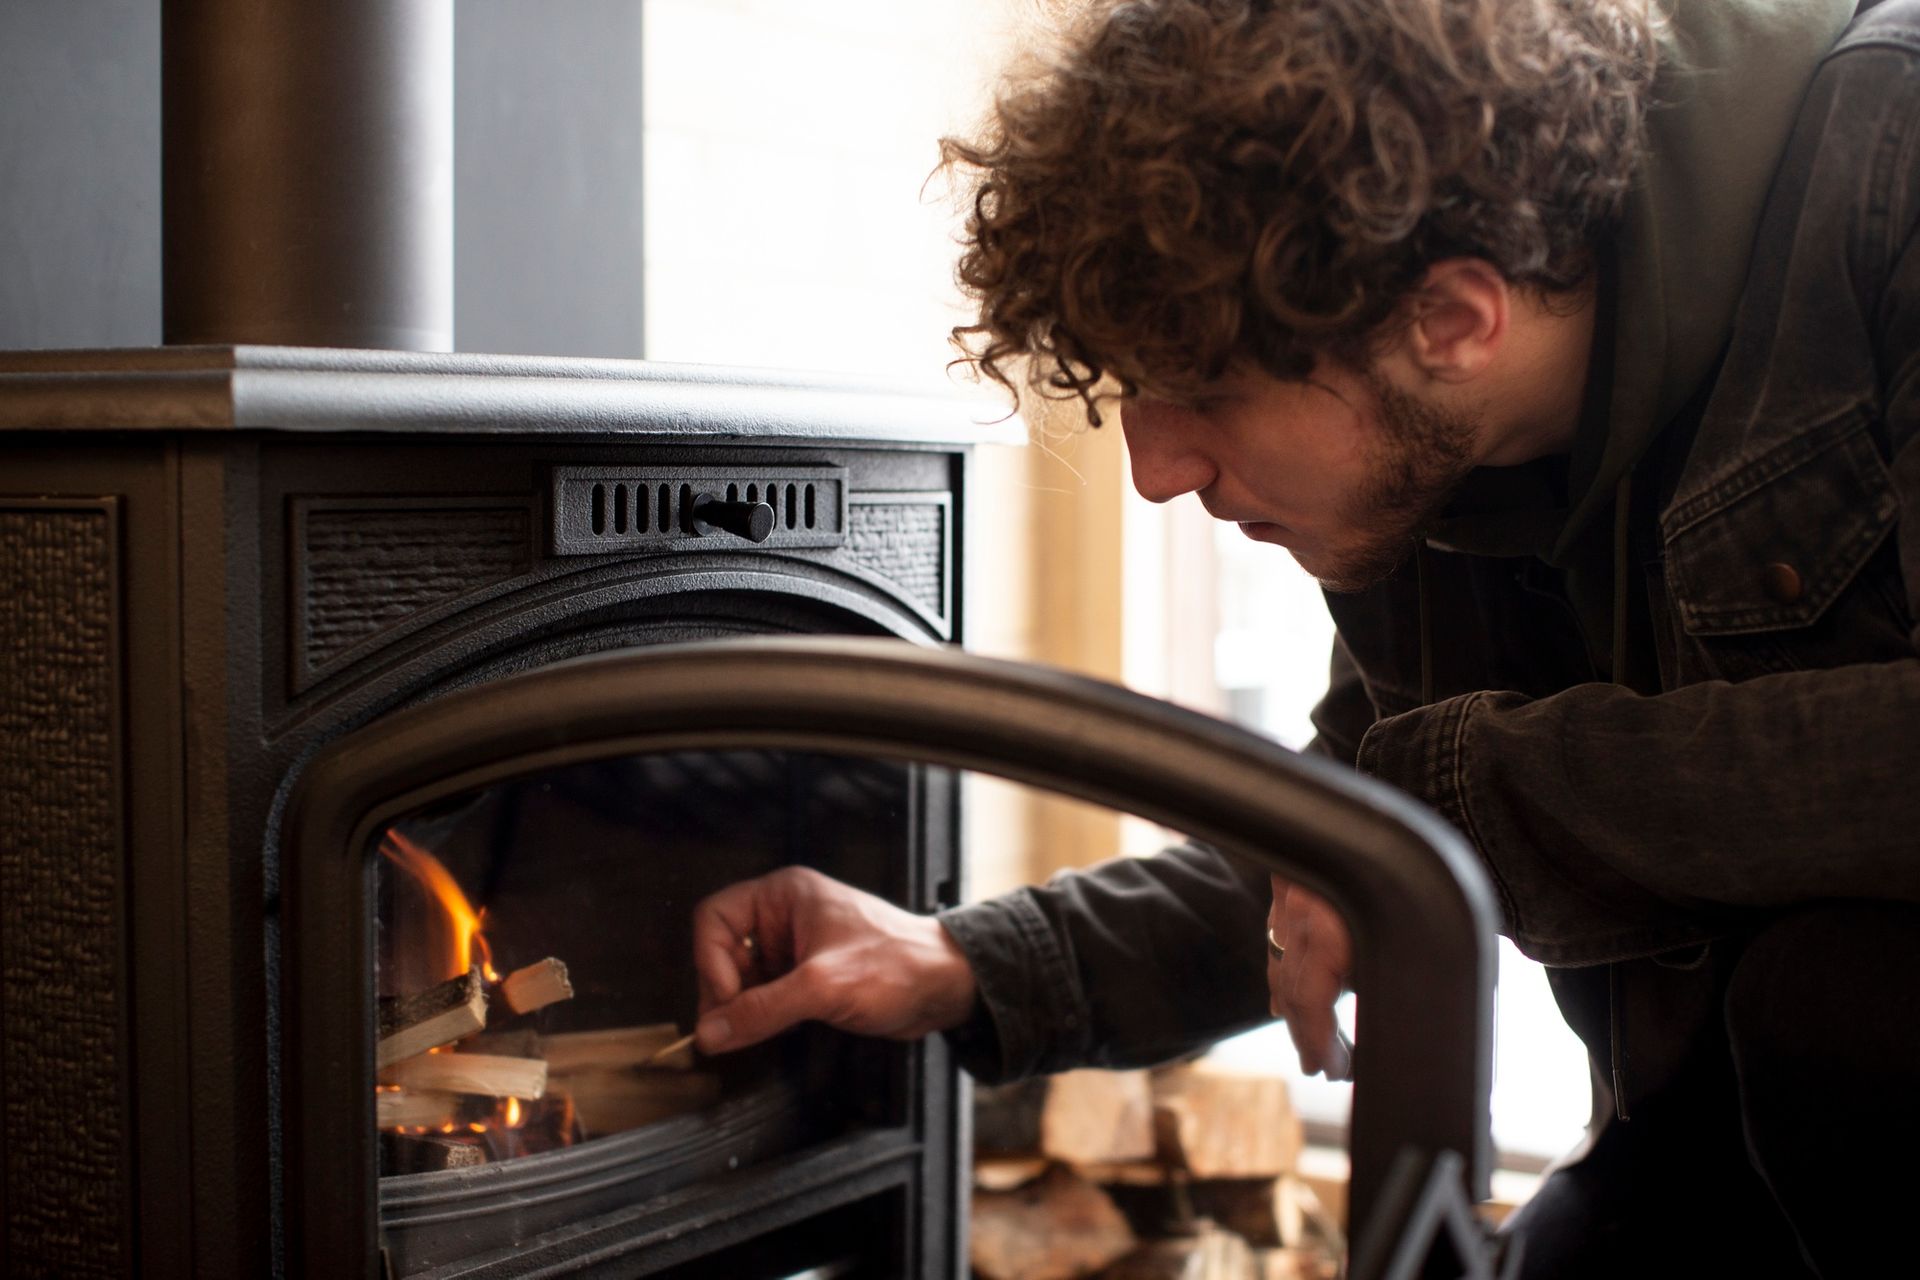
(535, 989)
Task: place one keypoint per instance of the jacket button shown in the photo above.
(1783, 582)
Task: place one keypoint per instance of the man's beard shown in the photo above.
(1420, 458)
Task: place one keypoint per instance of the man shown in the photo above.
(1577, 351)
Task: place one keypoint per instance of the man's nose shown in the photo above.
(1164, 449)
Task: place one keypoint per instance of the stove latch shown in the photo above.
(713, 514)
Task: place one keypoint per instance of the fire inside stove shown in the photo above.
(534, 958)
(454, 1093)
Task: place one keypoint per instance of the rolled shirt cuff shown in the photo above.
(1031, 1015)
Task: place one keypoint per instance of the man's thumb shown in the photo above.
(756, 1014)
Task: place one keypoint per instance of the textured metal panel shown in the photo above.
(904, 539)
(597, 510)
(61, 1047)
(365, 565)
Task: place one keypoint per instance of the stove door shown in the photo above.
(774, 747)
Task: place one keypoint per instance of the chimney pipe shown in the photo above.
(308, 172)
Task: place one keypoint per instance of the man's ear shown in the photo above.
(1457, 319)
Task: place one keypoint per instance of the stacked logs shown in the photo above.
(1187, 1172)
(454, 1091)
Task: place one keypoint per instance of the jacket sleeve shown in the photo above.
(1616, 824)
(1132, 961)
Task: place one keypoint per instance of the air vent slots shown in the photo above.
(598, 510)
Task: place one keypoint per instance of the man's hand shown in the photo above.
(795, 945)
(1303, 985)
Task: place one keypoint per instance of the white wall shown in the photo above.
(789, 219)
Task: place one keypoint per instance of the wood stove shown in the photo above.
(219, 560)
(270, 614)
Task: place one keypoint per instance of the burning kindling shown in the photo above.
(428, 1019)
(536, 986)
(456, 1089)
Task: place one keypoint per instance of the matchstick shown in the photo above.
(668, 1051)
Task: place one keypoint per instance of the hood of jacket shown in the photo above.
(1730, 82)
(1731, 77)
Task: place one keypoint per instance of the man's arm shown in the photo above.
(1127, 963)
(1618, 825)
(1130, 962)
(1138, 959)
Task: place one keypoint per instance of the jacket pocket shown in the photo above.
(1772, 544)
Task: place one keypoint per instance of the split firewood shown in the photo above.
(1248, 1207)
(430, 1152)
(1130, 1173)
(1098, 1116)
(613, 1047)
(1178, 1205)
(1313, 1207)
(1005, 1173)
(443, 1013)
(414, 1108)
(1154, 1260)
(486, 1074)
(1050, 1229)
(615, 1100)
(1223, 1255)
(1214, 1254)
(1218, 1123)
(536, 986)
(521, 1043)
(1295, 1264)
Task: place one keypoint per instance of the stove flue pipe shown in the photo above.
(308, 172)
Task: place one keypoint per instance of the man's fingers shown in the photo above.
(1276, 914)
(757, 1013)
(1312, 983)
(1300, 909)
(1310, 990)
(1276, 932)
(1305, 985)
(722, 924)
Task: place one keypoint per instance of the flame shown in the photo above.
(513, 1113)
(438, 881)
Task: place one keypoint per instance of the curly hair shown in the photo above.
(1185, 187)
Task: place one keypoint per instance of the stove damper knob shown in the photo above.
(751, 520)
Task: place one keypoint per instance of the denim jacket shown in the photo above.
(1698, 712)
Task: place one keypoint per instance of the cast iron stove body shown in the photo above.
(216, 560)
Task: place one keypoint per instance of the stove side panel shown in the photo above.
(62, 1042)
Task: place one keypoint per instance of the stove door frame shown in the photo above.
(1411, 891)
